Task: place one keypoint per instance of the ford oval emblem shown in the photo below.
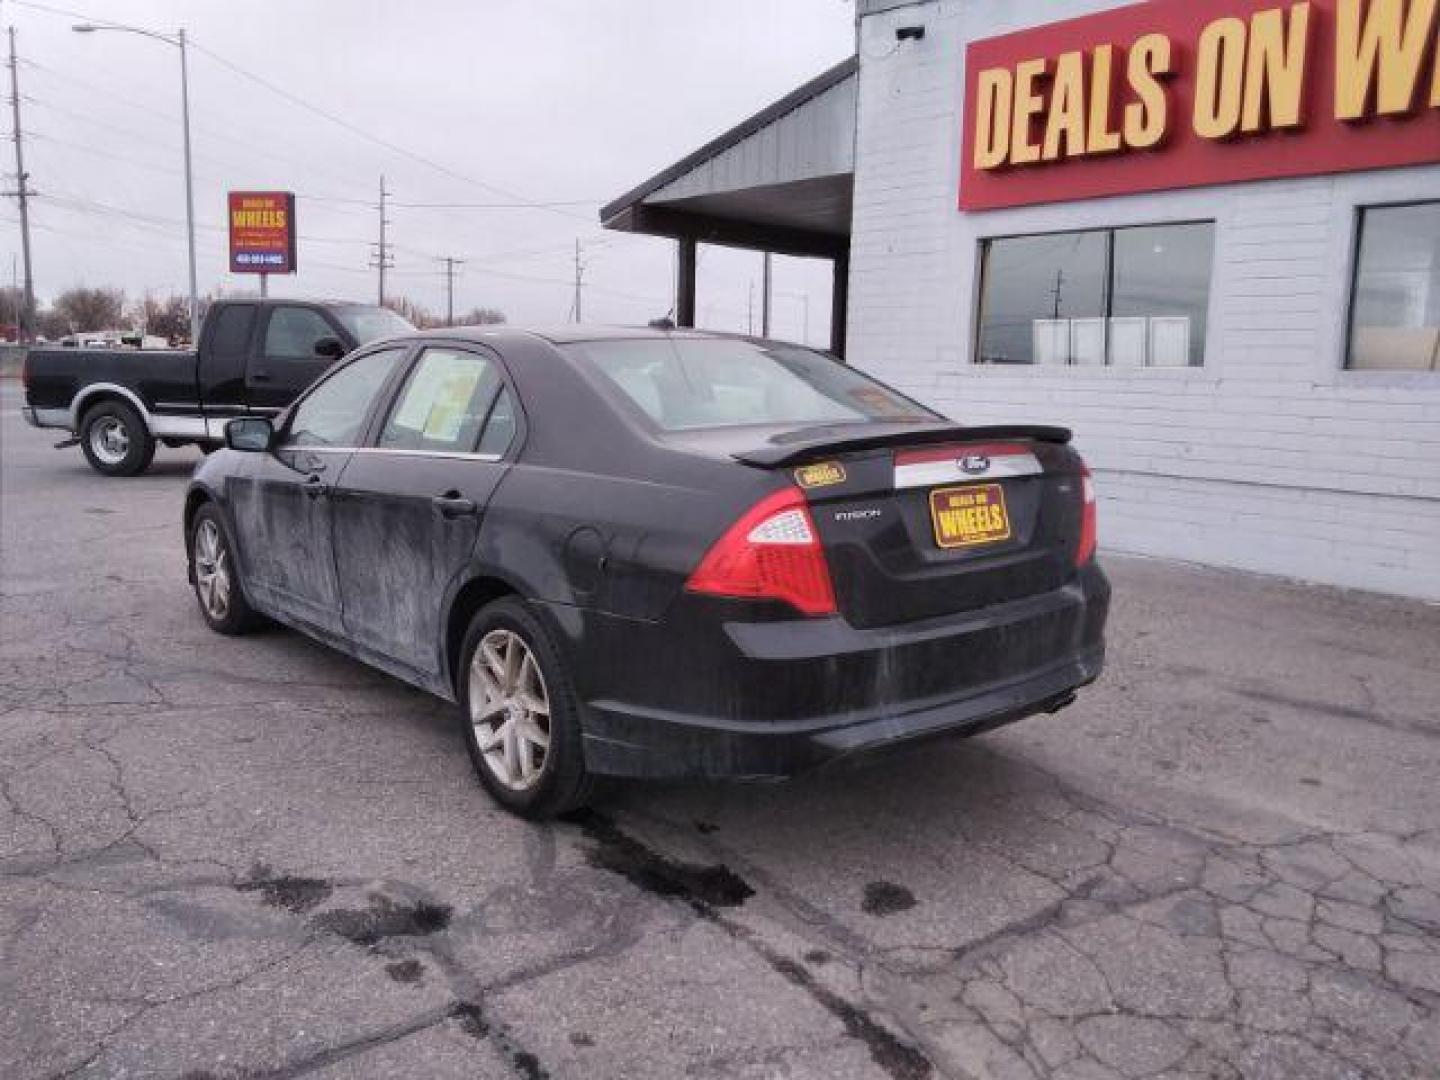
(974, 464)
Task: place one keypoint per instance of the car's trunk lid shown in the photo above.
(935, 520)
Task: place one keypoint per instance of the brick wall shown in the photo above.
(1271, 457)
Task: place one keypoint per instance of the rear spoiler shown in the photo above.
(795, 447)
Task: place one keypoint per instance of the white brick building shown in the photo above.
(1276, 407)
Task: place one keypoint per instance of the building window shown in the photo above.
(1133, 297)
(1395, 313)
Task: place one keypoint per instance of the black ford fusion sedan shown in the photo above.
(643, 554)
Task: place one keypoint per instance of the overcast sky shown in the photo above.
(565, 101)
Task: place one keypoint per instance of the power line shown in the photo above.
(368, 136)
(494, 205)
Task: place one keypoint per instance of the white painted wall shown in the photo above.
(1271, 457)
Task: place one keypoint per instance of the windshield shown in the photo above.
(366, 324)
(686, 383)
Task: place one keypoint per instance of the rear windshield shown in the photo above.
(682, 384)
(367, 324)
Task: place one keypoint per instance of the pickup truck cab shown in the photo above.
(254, 358)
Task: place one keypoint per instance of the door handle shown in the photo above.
(313, 486)
(452, 505)
(259, 376)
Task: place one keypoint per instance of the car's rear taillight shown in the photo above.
(772, 553)
(1085, 549)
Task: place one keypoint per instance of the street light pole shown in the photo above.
(189, 191)
(179, 42)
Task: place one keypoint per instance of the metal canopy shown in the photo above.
(783, 181)
(780, 181)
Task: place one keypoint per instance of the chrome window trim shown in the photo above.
(394, 451)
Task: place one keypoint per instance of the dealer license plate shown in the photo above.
(969, 516)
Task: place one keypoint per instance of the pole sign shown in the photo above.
(1180, 93)
(262, 232)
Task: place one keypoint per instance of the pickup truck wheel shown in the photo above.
(115, 440)
(216, 576)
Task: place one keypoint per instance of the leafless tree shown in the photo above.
(80, 310)
(167, 317)
(481, 316)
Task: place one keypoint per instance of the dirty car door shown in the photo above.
(408, 509)
(282, 509)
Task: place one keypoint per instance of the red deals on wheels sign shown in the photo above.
(262, 232)
(1179, 93)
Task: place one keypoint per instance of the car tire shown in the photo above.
(527, 779)
(215, 575)
(115, 439)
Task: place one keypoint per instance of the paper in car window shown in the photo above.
(448, 411)
(439, 394)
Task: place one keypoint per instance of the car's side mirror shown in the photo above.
(252, 434)
(331, 348)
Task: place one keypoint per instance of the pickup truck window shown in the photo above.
(367, 324)
(232, 331)
(335, 411)
(293, 332)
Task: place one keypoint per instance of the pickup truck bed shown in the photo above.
(254, 358)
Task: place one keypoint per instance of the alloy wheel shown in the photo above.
(212, 570)
(510, 709)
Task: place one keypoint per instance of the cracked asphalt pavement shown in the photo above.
(255, 858)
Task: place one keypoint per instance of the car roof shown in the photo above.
(573, 333)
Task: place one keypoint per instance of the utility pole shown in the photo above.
(382, 251)
(22, 192)
(450, 264)
(750, 310)
(1059, 281)
(579, 280)
(765, 300)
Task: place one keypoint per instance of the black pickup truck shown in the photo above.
(254, 358)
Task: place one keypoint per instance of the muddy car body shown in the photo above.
(715, 556)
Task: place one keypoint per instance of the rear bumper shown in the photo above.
(765, 700)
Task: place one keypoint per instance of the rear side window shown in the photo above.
(500, 427)
(293, 332)
(232, 331)
(223, 361)
(444, 403)
(333, 414)
(681, 384)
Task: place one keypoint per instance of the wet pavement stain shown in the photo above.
(901, 1061)
(472, 1019)
(294, 894)
(886, 898)
(406, 971)
(703, 888)
(474, 1023)
(385, 918)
